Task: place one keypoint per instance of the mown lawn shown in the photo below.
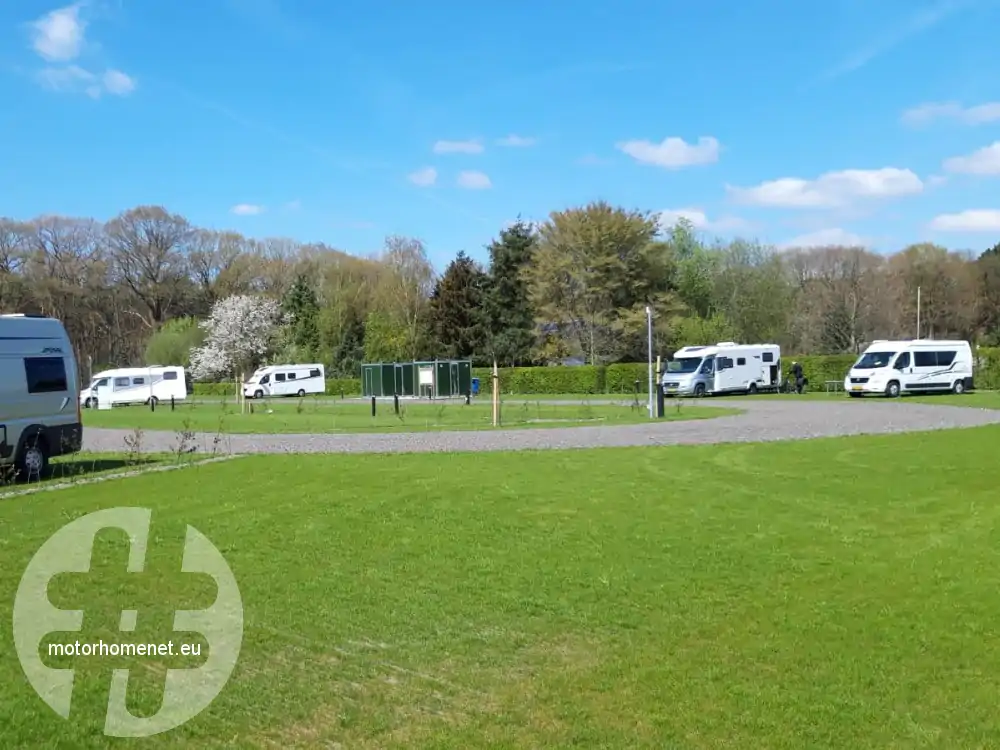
(328, 416)
(839, 593)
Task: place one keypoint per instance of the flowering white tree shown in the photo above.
(239, 332)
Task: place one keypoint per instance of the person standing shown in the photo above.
(799, 378)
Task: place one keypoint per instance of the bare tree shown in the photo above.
(147, 250)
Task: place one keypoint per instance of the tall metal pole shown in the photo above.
(649, 348)
(918, 312)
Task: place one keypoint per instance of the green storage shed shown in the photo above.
(449, 378)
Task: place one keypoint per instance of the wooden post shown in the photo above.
(496, 395)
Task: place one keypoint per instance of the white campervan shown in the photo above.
(286, 380)
(727, 367)
(916, 366)
(39, 413)
(135, 385)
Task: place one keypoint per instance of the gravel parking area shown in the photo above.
(762, 420)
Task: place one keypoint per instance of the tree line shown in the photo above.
(575, 287)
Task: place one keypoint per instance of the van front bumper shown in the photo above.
(851, 385)
(674, 388)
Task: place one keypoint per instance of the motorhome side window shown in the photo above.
(944, 359)
(265, 380)
(121, 382)
(314, 373)
(45, 374)
(291, 376)
(741, 361)
(768, 356)
(138, 381)
(925, 359)
(279, 377)
(903, 360)
(170, 375)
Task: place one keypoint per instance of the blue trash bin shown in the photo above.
(475, 386)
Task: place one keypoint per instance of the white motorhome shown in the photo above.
(135, 385)
(727, 367)
(917, 366)
(285, 380)
(39, 413)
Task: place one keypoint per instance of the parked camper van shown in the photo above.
(39, 412)
(918, 366)
(286, 380)
(727, 367)
(135, 385)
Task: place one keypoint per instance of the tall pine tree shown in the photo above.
(510, 317)
(301, 305)
(457, 310)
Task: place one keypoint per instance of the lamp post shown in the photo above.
(649, 349)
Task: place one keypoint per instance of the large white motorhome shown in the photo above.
(727, 367)
(39, 413)
(286, 380)
(135, 385)
(916, 366)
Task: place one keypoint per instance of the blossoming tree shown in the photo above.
(239, 333)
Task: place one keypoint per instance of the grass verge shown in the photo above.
(695, 597)
(323, 416)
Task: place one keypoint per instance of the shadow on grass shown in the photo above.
(74, 468)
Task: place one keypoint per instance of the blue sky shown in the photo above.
(848, 120)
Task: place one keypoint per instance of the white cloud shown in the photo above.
(58, 36)
(973, 220)
(977, 115)
(985, 161)
(424, 177)
(118, 83)
(672, 153)
(832, 189)
(247, 209)
(699, 220)
(474, 180)
(832, 237)
(517, 141)
(458, 147)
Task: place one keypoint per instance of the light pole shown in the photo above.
(649, 349)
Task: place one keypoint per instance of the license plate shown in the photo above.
(856, 388)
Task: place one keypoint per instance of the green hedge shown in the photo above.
(620, 378)
(334, 387)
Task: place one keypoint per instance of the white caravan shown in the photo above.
(286, 380)
(916, 366)
(727, 367)
(39, 413)
(134, 385)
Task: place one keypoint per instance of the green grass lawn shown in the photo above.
(839, 593)
(324, 416)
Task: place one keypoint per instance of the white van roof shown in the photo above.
(918, 343)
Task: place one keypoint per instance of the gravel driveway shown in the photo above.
(762, 420)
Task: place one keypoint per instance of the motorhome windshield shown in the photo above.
(683, 365)
(874, 360)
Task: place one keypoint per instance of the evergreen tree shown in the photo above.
(509, 314)
(302, 307)
(457, 314)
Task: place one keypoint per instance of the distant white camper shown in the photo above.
(727, 367)
(39, 414)
(918, 366)
(135, 385)
(286, 380)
